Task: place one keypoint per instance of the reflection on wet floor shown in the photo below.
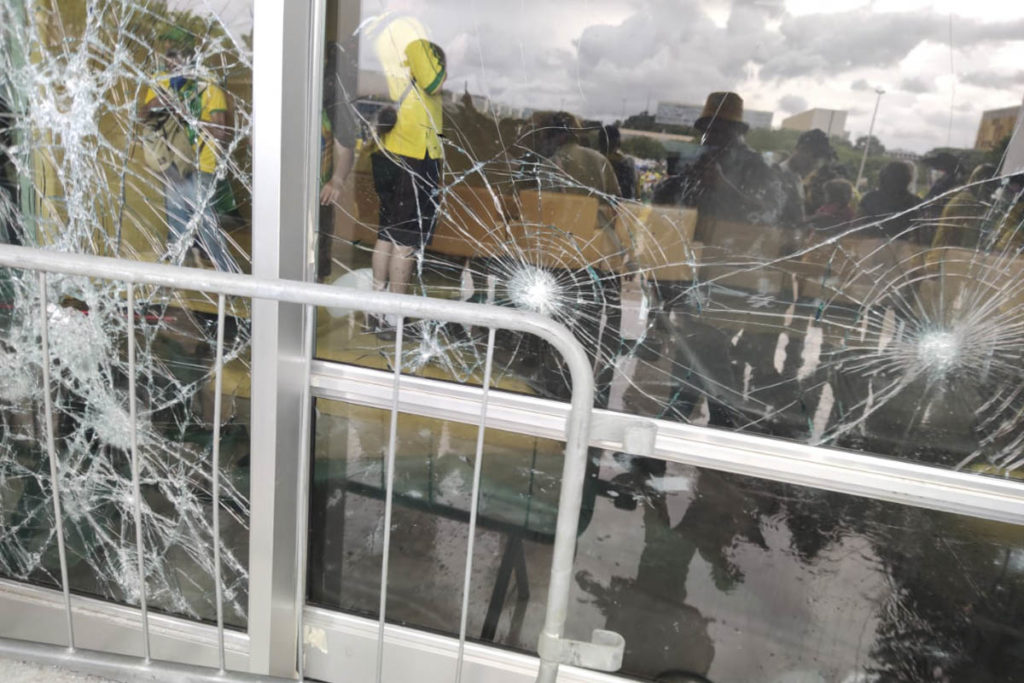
(706, 573)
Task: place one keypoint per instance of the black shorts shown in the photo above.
(407, 189)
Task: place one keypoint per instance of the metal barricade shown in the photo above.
(606, 650)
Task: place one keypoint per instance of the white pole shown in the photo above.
(867, 143)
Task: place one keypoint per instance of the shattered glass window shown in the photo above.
(768, 217)
(124, 132)
(790, 219)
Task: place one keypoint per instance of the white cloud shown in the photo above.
(592, 55)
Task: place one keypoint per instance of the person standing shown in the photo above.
(963, 215)
(407, 167)
(729, 180)
(190, 180)
(949, 166)
(608, 141)
(812, 148)
(890, 205)
(338, 129)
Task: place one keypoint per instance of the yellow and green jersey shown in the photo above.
(203, 101)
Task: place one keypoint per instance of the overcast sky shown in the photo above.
(596, 56)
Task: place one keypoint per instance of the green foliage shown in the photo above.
(876, 145)
(643, 148)
(781, 141)
(645, 121)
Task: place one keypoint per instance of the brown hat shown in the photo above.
(722, 106)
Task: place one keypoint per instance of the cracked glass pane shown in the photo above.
(780, 218)
(124, 132)
(750, 219)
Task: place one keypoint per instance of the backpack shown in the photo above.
(166, 141)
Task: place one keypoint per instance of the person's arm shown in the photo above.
(217, 127)
(343, 157)
(214, 125)
(157, 98)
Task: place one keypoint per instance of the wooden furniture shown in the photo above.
(471, 222)
(561, 230)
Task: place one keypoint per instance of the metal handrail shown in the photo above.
(309, 294)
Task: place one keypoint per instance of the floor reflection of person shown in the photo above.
(890, 205)
(666, 636)
(407, 167)
(190, 189)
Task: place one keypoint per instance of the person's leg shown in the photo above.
(416, 216)
(381, 263)
(324, 239)
(178, 209)
(210, 234)
(400, 270)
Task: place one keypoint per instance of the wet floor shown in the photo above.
(706, 573)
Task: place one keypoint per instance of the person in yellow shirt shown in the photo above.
(407, 166)
(190, 187)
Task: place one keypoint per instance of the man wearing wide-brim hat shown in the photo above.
(729, 181)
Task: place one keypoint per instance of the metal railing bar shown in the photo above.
(474, 503)
(570, 498)
(303, 484)
(860, 474)
(140, 548)
(121, 667)
(402, 307)
(51, 451)
(235, 284)
(218, 384)
(388, 497)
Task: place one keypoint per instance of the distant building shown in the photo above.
(1013, 162)
(676, 114)
(902, 154)
(832, 121)
(995, 125)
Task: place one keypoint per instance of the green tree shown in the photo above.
(643, 147)
(877, 148)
